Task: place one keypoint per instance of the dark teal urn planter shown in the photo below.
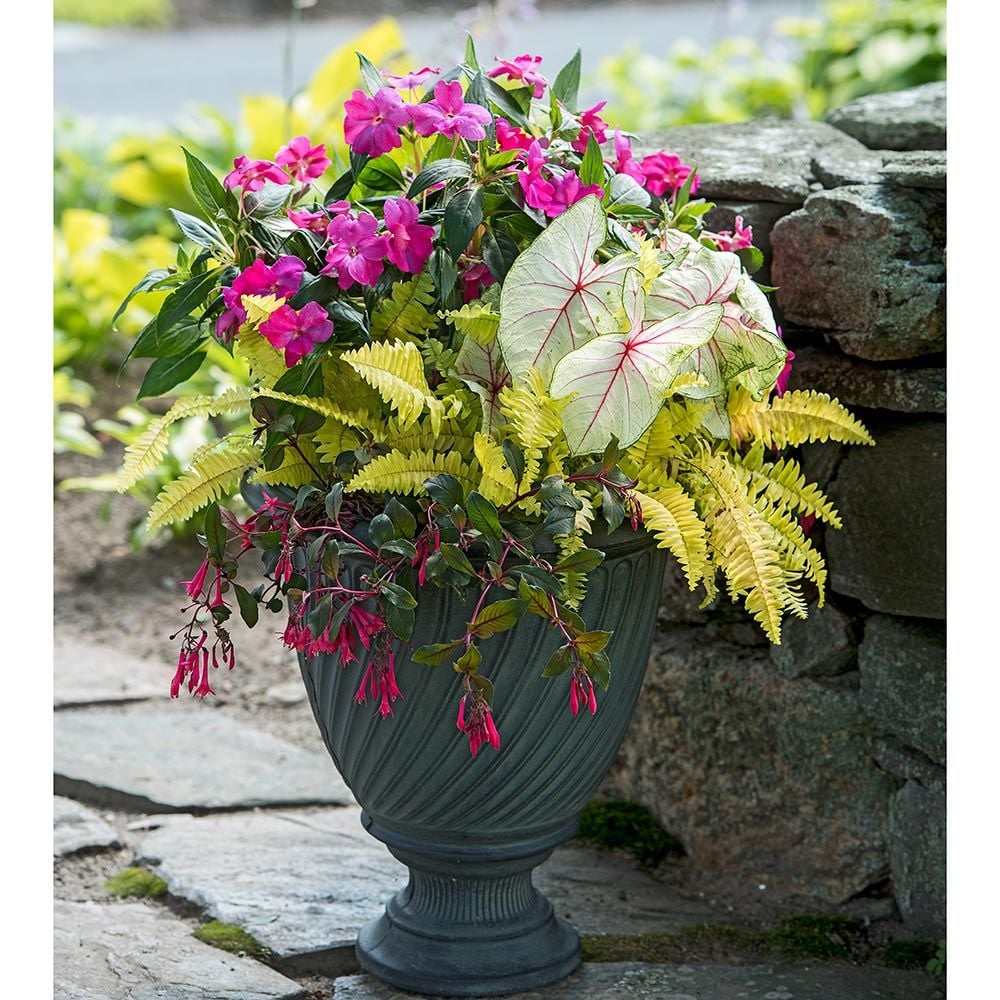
(471, 830)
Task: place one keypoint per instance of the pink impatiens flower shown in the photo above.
(664, 172)
(281, 279)
(591, 123)
(511, 137)
(568, 190)
(523, 68)
(474, 280)
(251, 175)
(537, 190)
(355, 253)
(738, 239)
(412, 80)
(449, 115)
(624, 163)
(302, 159)
(372, 124)
(315, 222)
(297, 333)
(410, 242)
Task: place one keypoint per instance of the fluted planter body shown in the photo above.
(469, 923)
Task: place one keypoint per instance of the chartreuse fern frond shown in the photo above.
(574, 581)
(795, 418)
(670, 514)
(321, 405)
(405, 314)
(297, 469)
(259, 307)
(333, 438)
(453, 436)
(800, 554)
(396, 371)
(784, 483)
(497, 484)
(741, 541)
(535, 420)
(144, 454)
(406, 474)
(214, 475)
(665, 436)
(265, 363)
(477, 320)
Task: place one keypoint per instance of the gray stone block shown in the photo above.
(129, 951)
(77, 828)
(622, 980)
(919, 169)
(904, 119)
(85, 674)
(183, 760)
(867, 259)
(904, 762)
(918, 851)
(890, 554)
(903, 681)
(822, 645)
(758, 775)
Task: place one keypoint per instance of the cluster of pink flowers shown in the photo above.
(548, 191)
(298, 160)
(738, 238)
(379, 682)
(477, 723)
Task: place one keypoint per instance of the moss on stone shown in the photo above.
(630, 827)
(908, 954)
(136, 882)
(229, 937)
(819, 936)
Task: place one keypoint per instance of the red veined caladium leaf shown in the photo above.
(699, 277)
(482, 369)
(556, 297)
(621, 379)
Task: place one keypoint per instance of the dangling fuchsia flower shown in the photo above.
(281, 279)
(410, 242)
(196, 584)
(581, 692)
(510, 137)
(302, 159)
(355, 253)
(297, 333)
(664, 172)
(413, 79)
(372, 124)
(478, 723)
(449, 115)
(624, 163)
(591, 123)
(251, 175)
(379, 681)
(523, 68)
(737, 239)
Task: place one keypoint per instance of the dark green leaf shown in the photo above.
(513, 104)
(208, 192)
(382, 174)
(468, 662)
(592, 642)
(515, 459)
(580, 562)
(560, 661)
(498, 617)
(436, 653)
(216, 535)
(269, 200)
(249, 609)
(381, 530)
(184, 298)
(370, 73)
(471, 60)
(334, 499)
(397, 595)
(445, 490)
(483, 686)
(331, 559)
(752, 259)
(199, 232)
(592, 165)
(476, 91)
(539, 577)
(179, 339)
(443, 271)
(536, 602)
(400, 620)
(437, 172)
(612, 508)
(499, 252)
(320, 616)
(598, 666)
(567, 83)
(403, 521)
(462, 217)
(483, 516)
(340, 188)
(456, 559)
(165, 373)
(398, 547)
(144, 285)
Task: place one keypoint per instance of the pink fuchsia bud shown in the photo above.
(251, 175)
(523, 68)
(591, 123)
(412, 80)
(477, 723)
(460, 721)
(449, 115)
(302, 159)
(196, 584)
(355, 254)
(372, 124)
(664, 173)
(738, 239)
(410, 242)
(581, 692)
(297, 333)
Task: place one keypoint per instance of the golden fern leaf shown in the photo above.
(535, 419)
(214, 475)
(333, 438)
(497, 484)
(783, 482)
(259, 307)
(265, 363)
(574, 582)
(144, 454)
(451, 437)
(666, 433)
(795, 418)
(670, 514)
(476, 320)
(405, 315)
(396, 370)
(801, 555)
(325, 407)
(399, 473)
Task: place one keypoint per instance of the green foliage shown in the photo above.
(854, 47)
(630, 827)
(136, 882)
(115, 13)
(910, 954)
(231, 938)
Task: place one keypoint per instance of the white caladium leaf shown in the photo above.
(620, 380)
(483, 370)
(702, 276)
(555, 297)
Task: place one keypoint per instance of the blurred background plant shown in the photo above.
(111, 183)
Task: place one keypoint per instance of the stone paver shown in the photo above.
(75, 828)
(130, 951)
(185, 760)
(86, 674)
(620, 980)
(304, 884)
(907, 119)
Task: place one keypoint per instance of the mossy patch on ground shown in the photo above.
(629, 827)
(136, 882)
(909, 954)
(229, 937)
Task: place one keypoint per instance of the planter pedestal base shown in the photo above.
(469, 922)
